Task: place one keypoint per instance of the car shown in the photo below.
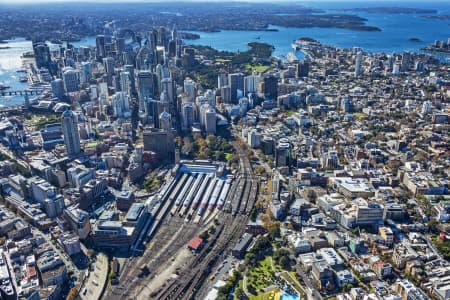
(84, 291)
(94, 282)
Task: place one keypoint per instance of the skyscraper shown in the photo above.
(163, 37)
(121, 105)
(130, 70)
(70, 78)
(157, 140)
(236, 82)
(173, 43)
(174, 33)
(225, 94)
(189, 89)
(161, 73)
(330, 160)
(282, 153)
(211, 96)
(42, 55)
(271, 87)
(86, 74)
(302, 69)
(108, 64)
(406, 61)
(58, 88)
(168, 87)
(69, 126)
(165, 121)
(144, 58)
(100, 46)
(210, 121)
(426, 107)
(346, 104)
(358, 64)
(222, 81)
(251, 84)
(120, 46)
(188, 115)
(145, 88)
(125, 82)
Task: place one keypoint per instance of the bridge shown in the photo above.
(21, 93)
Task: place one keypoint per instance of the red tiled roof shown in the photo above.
(195, 243)
(31, 272)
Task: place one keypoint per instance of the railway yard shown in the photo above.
(194, 200)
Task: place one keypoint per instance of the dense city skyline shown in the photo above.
(216, 151)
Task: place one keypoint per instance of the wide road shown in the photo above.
(93, 285)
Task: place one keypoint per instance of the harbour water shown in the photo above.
(396, 30)
(10, 62)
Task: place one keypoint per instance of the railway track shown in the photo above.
(235, 214)
(190, 281)
(175, 234)
(246, 195)
(252, 198)
(238, 197)
(227, 207)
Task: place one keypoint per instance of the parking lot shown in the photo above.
(96, 278)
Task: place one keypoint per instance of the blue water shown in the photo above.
(10, 62)
(396, 30)
(286, 296)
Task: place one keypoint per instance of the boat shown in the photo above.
(3, 87)
(21, 71)
(23, 78)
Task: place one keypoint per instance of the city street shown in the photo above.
(96, 280)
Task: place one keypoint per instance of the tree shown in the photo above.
(285, 263)
(259, 170)
(250, 258)
(273, 228)
(433, 225)
(253, 214)
(346, 287)
(239, 293)
(281, 256)
(204, 235)
(261, 248)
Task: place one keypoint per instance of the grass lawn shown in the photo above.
(274, 294)
(360, 115)
(260, 276)
(442, 247)
(221, 60)
(91, 144)
(241, 285)
(290, 112)
(228, 156)
(260, 69)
